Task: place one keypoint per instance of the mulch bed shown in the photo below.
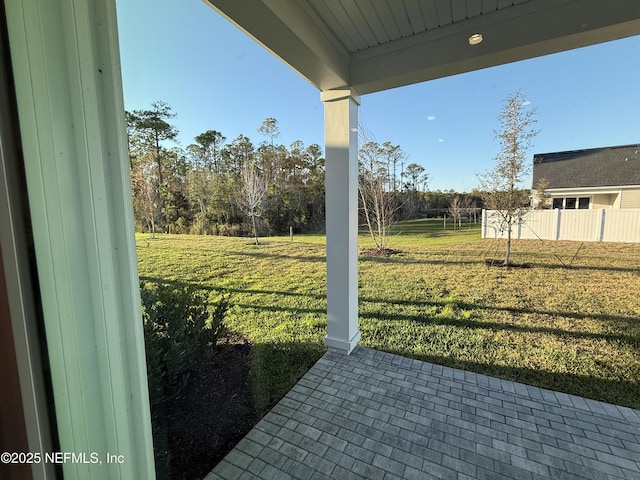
(500, 263)
(374, 252)
(207, 416)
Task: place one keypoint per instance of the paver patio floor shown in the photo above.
(374, 415)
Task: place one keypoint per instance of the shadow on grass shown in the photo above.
(215, 288)
(433, 320)
(278, 308)
(481, 262)
(554, 266)
(272, 256)
(474, 306)
(618, 392)
(470, 323)
(401, 260)
(435, 233)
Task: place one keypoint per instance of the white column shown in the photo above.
(341, 192)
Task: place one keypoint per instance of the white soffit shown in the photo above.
(374, 45)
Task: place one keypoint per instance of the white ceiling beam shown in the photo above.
(293, 34)
(527, 30)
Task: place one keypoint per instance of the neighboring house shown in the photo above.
(607, 177)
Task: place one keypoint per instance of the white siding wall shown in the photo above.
(630, 199)
(605, 225)
(603, 200)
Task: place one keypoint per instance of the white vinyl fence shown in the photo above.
(583, 225)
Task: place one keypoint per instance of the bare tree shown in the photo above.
(501, 186)
(459, 206)
(468, 207)
(251, 194)
(377, 199)
(456, 209)
(146, 196)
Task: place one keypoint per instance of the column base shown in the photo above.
(341, 346)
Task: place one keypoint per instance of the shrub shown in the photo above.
(202, 225)
(235, 229)
(180, 330)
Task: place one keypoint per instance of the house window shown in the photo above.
(572, 203)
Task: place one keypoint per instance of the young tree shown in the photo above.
(456, 209)
(460, 205)
(378, 202)
(500, 186)
(251, 194)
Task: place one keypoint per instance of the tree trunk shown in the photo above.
(507, 258)
(255, 231)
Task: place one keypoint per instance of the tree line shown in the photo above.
(240, 187)
(204, 188)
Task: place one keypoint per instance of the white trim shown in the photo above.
(584, 191)
(14, 246)
(341, 346)
(69, 96)
(318, 48)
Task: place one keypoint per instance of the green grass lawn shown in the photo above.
(575, 330)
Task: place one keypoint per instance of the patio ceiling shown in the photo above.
(374, 45)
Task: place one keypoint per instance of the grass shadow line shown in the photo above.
(215, 288)
(469, 323)
(302, 258)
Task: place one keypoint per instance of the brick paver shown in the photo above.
(374, 415)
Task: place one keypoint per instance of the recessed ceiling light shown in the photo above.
(475, 39)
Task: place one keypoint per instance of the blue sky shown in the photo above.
(216, 78)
